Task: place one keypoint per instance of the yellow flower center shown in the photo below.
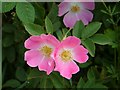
(75, 8)
(66, 55)
(46, 51)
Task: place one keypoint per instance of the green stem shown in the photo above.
(105, 5)
(70, 82)
(109, 11)
(21, 86)
(66, 34)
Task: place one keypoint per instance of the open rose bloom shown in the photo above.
(48, 54)
(76, 10)
(68, 51)
(41, 48)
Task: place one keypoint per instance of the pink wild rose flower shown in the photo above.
(65, 54)
(41, 47)
(76, 10)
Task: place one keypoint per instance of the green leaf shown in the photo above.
(53, 13)
(21, 74)
(8, 28)
(20, 49)
(81, 83)
(112, 35)
(91, 75)
(25, 12)
(11, 83)
(23, 85)
(19, 35)
(48, 25)
(7, 6)
(39, 13)
(105, 12)
(35, 73)
(91, 29)
(33, 29)
(111, 69)
(56, 81)
(89, 84)
(11, 54)
(65, 82)
(99, 85)
(59, 34)
(85, 65)
(56, 26)
(33, 83)
(100, 39)
(77, 30)
(8, 40)
(90, 46)
(46, 82)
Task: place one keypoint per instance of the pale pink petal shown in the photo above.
(63, 8)
(87, 14)
(66, 69)
(47, 64)
(70, 19)
(70, 42)
(50, 39)
(33, 57)
(89, 5)
(78, 1)
(33, 42)
(83, 19)
(80, 54)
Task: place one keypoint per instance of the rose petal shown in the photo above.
(33, 42)
(78, 1)
(87, 15)
(66, 69)
(63, 8)
(80, 54)
(47, 64)
(33, 57)
(70, 42)
(50, 39)
(89, 5)
(70, 19)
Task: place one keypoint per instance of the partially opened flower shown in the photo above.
(76, 10)
(41, 47)
(65, 54)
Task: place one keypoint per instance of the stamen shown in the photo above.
(75, 8)
(66, 55)
(46, 51)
